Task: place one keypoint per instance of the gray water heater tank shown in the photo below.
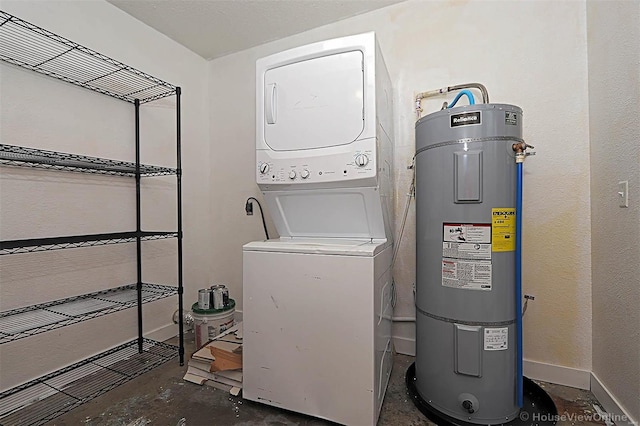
(465, 243)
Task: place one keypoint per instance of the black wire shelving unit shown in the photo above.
(20, 156)
(40, 50)
(36, 49)
(77, 241)
(43, 399)
(30, 320)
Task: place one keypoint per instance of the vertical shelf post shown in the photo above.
(179, 195)
(138, 227)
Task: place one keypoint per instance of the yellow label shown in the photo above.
(503, 229)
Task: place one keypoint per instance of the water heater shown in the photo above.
(466, 354)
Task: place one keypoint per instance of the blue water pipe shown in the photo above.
(519, 354)
(467, 93)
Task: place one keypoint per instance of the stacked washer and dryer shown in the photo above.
(317, 301)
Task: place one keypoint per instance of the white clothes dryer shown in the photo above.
(324, 151)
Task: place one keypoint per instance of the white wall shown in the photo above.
(614, 103)
(40, 112)
(531, 54)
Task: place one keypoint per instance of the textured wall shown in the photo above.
(531, 54)
(39, 112)
(614, 108)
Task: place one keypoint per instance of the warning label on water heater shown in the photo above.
(466, 251)
(466, 274)
(496, 339)
(467, 232)
(466, 255)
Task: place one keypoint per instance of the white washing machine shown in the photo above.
(317, 327)
(317, 301)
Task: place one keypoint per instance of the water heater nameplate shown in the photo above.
(466, 119)
(496, 339)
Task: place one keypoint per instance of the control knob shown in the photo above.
(292, 174)
(264, 168)
(362, 160)
(304, 174)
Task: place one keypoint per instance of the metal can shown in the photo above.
(217, 300)
(225, 296)
(204, 298)
(212, 291)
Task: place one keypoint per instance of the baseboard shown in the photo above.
(404, 345)
(557, 374)
(163, 333)
(611, 405)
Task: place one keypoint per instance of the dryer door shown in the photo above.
(314, 103)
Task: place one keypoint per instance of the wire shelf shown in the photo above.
(45, 398)
(34, 48)
(35, 319)
(76, 241)
(12, 155)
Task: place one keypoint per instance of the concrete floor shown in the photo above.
(160, 397)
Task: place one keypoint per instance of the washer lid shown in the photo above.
(367, 248)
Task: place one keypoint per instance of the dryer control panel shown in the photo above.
(339, 168)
